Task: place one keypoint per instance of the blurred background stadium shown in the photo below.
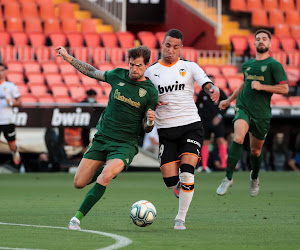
(219, 36)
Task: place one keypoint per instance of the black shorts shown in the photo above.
(8, 131)
(174, 142)
(218, 130)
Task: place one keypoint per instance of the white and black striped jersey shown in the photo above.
(175, 84)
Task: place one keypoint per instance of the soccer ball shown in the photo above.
(143, 213)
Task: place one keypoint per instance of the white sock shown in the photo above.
(186, 196)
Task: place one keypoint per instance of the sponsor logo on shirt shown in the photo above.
(118, 96)
(255, 77)
(142, 92)
(170, 88)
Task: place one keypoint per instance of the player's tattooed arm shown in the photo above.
(87, 69)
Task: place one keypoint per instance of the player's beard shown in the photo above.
(262, 49)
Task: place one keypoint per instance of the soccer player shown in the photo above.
(263, 76)
(213, 122)
(132, 98)
(179, 125)
(9, 97)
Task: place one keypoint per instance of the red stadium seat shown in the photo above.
(8, 53)
(189, 54)
(298, 5)
(286, 4)
(106, 66)
(71, 79)
(46, 99)
(49, 67)
(147, 38)
(31, 66)
(280, 56)
(295, 31)
(282, 30)
(52, 25)
(5, 38)
(81, 53)
(11, 9)
(59, 91)
(115, 55)
(29, 9)
(153, 58)
(35, 77)
(38, 89)
(66, 10)
(106, 89)
(15, 77)
(276, 17)
(123, 65)
(298, 41)
(288, 43)
(42, 54)
(229, 70)
(58, 39)
(77, 93)
(91, 39)
(234, 82)
(63, 99)
(270, 4)
(87, 81)
(69, 25)
(220, 81)
(37, 39)
(294, 100)
(109, 40)
(294, 58)
(23, 89)
(253, 5)
(238, 5)
(14, 66)
(53, 78)
(29, 99)
(66, 68)
(75, 39)
(160, 37)
(88, 25)
(47, 10)
(19, 38)
(282, 103)
(2, 25)
(211, 69)
(125, 39)
(98, 55)
(25, 53)
(259, 18)
(239, 44)
(102, 100)
(293, 74)
(292, 17)
(275, 44)
(14, 24)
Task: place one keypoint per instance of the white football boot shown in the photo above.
(254, 186)
(179, 225)
(74, 224)
(225, 185)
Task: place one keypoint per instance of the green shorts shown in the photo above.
(258, 127)
(103, 149)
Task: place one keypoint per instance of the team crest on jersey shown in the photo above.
(182, 72)
(263, 68)
(121, 84)
(142, 92)
(127, 160)
(248, 68)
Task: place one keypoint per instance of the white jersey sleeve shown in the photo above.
(199, 75)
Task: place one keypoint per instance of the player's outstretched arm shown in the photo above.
(149, 120)
(83, 67)
(225, 103)
(213, 91)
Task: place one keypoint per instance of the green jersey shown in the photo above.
(128, 103)
(257, 103)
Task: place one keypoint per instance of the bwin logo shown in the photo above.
(19, 118)
(194, 142)
(170, 88)
(70, 119)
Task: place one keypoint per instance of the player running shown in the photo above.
(179, 125)
(132, 98)
(263, 76)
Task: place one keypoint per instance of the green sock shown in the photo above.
(255, 163)
(234, 154)
(99, 171)
(91, 198)
(79, 215)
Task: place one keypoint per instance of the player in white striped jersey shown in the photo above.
(177, 119)
(9, 98)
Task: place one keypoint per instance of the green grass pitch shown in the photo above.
(235, 221)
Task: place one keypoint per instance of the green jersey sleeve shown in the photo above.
(153, 100)
(278, 73)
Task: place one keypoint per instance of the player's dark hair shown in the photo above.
(175, 34)
(91, 92)
(3, 65)
(140, 51)
(263, 31)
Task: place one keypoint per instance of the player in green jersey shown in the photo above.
(263, 76)
(133, 97)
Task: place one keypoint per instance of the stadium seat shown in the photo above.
(19, 38)
(275, 44)
(211, 69)
(286, 4)
(234, 82)
(189, 54)
(229, 70)
(253, 5)
(87, 81)
(259, 18)
(25, 53)
(105, 66)
(293, 74)
(280, 56)
(147, 38)
(46, 99)
(11, 9)
(153, 58)
(52, 25)
(239, 44)
(238, 5)
(124, 65)
(115, 55)
(65, 68)
(49, 67)
(125, 39)
(57, 39)
(59, 91)
(298, 41)
(29, 9)
(270, 4)
(35, 77)
(81, 53)
(251, 41)
(295, 31)
(98, 55)
(294, 100)
(282, 30)
(109, 40)
(29, 99)
(31, 66)
(288, 43)
(14, 24)
(294, 58)
(14, 66)
(5, 38)
(77, 93)
(2, 25)
(91, 39)
(36, 39)
(15, 77)
(42, 53)
(63, 99)
(47, 10)
(106, 89)
(298, 5)
(69, 25)
(53, 78)
(102, 100)
(220, 81)
(71, 79)
(66, 10)
(33, 25)
(160, 37)
(88, 25)
(75, 39)
(276, 17)
(282, 103)
(292, 17)
(23, 89)
(38, 89)
(8, 53)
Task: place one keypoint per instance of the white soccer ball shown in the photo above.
(143, 213)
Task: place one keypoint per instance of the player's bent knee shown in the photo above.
(171, 182)
(78, 184)
(187, 177)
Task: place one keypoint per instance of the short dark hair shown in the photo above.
(140, 51)
(263, 31)
(175, 33)
(3, 65)
(91, 92)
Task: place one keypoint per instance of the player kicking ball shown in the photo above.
(263, 76)
(132, 98)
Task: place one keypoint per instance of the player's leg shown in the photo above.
(205, 147)
(256, 157)
(10, 136)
